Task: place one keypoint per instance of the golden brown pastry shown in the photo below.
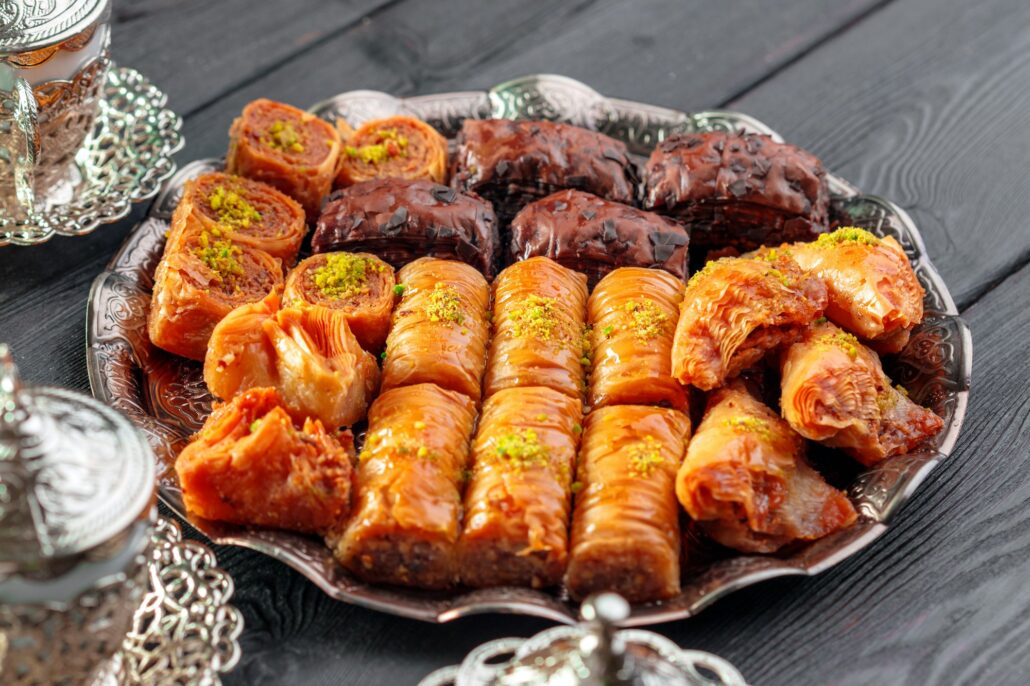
(873, 291)
(632, 314)
(746, 482)
(307, 353)
(400, 147)
(408, 509)
(244, 211)
(285, 147)
(440, 327)
(198, 284)
(539, 319)
(251, 464)
(625, 528)
(833, 390)
(359, 285)
(518, 498)
(735, 310)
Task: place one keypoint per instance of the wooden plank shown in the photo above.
(195, 50)
(926, 103)
(661, 51)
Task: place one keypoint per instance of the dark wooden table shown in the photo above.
(926, 102)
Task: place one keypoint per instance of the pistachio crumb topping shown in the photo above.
(222, 256)
(577, 486)
(843, 340)
(522, 449)
(232, 208)
(344, 275)
(538, 317)
(282, 136)
(752, 425)
(821, 320)
(388, 144)
(773, 254)
(419, 425)
(254, 425)
(646, 317)
(399, 289)
(847, 234)
(444, 304)
(644, 456)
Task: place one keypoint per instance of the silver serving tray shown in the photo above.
(165, 396)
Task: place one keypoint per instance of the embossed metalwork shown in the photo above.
(34, 24)
(127, 372)
(124, 159)
(185, 631)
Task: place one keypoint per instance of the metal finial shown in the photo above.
(603, 650)
(10, 385)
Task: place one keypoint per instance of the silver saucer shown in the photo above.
(122, 161)
(184, 631)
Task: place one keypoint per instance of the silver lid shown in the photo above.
(592, 653)
(73, 473)
(30, 24)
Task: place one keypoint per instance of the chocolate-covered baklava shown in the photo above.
(512, 163)
(400, 220)
(738, 189)
(593, 235)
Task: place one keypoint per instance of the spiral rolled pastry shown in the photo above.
(632, 314)
(745, 479)
(593, 235)
(873, 290)
(251, 464)
(244, 211)
(625, 527)
(737, 309)
(287, 148)
(199, 283)
(738, 189)
(358, 285)
(398, 147)
(408, 509)
(833, 390)
(539, 318)
(440, 327)
(307, 353)
(401, 220)
(518, 498)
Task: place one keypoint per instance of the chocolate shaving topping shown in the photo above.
(588, 214)
(738, 188)
(663, 252)
(445, 232)
(444, 194)
(397, 219)
(613, 156)
(560, 206)
(608, 230)
(502, 167)
(667, 238)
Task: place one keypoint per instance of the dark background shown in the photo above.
(926, 102)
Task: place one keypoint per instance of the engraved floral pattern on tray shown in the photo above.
(935, 367)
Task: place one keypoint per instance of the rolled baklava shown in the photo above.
(396, 147)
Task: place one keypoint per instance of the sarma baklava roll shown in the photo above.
(407, 514)
(737, 309)
(593, 235)
(401, 220)
(287, 148)
(518, 497)
(198, 284)
(251, 464)
(873, 290)
(625, 526)
(440, 327)
(741, 190)
(539, 321)
(512, 163)
(399, 147)
(359, 285)
(632, 315)
(833, 390)
(745, 479)
(244, 211)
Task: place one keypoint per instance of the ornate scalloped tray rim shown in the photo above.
(130, 99)
(938, 366)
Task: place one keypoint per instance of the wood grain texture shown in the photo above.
(926, 103)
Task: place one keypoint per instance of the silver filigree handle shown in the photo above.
(9, 387)
(19, 143)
